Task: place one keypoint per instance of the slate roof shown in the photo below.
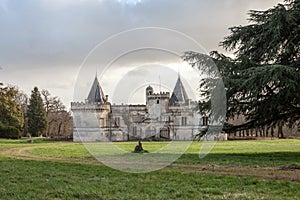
(96, 94)
(149, 87)
(179, 94)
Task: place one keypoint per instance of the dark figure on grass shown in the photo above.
(139, 148)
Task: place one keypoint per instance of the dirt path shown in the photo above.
(235, 170)
(23, 153)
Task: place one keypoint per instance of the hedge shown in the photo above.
(9, 132)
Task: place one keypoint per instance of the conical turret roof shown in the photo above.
(96, 94)
(179, 94)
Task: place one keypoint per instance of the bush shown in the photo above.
(9, 132)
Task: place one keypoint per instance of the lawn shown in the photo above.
(233, 170)
(264, 153)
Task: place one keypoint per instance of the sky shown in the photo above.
(60, 45)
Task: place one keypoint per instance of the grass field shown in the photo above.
(267, 169)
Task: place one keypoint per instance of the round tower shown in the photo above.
(149, 91)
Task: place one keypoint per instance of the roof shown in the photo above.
(179, 94)
(96, 93)
(149, 87)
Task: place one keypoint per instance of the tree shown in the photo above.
(262, 82)
(22, 100)
(59, 121)
(10, 112)
(36, 114)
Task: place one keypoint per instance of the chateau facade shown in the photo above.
(165, 116)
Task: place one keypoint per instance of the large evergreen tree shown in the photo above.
(36, 114)
(263, 80)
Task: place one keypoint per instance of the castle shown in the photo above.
(163, 117)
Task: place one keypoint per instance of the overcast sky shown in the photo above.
(51, 43)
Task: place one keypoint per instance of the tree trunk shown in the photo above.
(280, 130)
(267, 132)
(272, 131)
(59, 129)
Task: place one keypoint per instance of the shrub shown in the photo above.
(9, 132)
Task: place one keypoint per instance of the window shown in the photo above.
(157, 101)
(204, 120)
(134, 131)
(183, 121)
(117, 121)
(101, 122)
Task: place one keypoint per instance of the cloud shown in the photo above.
(57, 31)
(50, 37)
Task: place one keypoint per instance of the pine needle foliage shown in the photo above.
(36, 114)
(262, 82)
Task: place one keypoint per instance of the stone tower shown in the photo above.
(156, 103)
(91, 118)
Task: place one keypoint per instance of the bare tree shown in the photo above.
(60, 121)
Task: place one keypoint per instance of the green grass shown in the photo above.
(65, 179)
(251, 153)
(247, 153)
(8, 143)
(11, 143)
(26, 179)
